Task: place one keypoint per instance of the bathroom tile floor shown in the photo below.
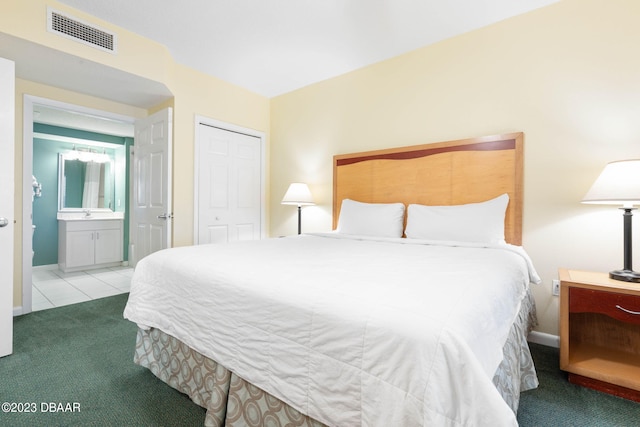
(53, 288)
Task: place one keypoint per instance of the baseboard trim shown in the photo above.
(543, 338)
(17, 311)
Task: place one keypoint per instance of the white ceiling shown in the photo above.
(275, 46)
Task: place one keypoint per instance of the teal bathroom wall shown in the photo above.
(45, 169)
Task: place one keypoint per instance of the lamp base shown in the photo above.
(625, 275)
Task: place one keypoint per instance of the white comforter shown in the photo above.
(351, 331)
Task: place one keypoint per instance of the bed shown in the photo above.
(413, 311)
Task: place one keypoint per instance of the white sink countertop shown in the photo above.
(93, 215)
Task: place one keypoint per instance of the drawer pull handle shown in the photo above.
(627, 311)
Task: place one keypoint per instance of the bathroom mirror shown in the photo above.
(85, 185)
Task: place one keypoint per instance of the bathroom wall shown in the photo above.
(45, 169)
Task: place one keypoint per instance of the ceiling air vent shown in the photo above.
(72, 28)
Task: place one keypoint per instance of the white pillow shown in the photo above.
(371, 219)
(474, 222)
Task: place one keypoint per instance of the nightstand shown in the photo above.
(600, 332)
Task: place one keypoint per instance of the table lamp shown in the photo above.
(298, 194)
(619, 184)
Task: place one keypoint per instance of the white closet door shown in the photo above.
(229, 186)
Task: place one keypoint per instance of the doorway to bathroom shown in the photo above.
(58, 130)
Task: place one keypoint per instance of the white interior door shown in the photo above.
(229, 177)
(7, 188)
(151, 197)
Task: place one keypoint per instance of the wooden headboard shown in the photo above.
(444, 173)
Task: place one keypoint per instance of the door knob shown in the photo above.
(165, 216)
(4, 222)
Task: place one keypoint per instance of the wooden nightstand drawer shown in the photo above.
(625, 308)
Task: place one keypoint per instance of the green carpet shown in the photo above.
(558, 403)
(82, 354)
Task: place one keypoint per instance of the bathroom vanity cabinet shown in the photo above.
(84, 244)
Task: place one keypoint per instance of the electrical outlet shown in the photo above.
(555, 287)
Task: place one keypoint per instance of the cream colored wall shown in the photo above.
(567, 75)
(194, 94)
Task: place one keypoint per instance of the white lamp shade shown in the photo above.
(618, 184)
(298, 194)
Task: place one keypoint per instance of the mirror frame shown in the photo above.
(62, 191)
